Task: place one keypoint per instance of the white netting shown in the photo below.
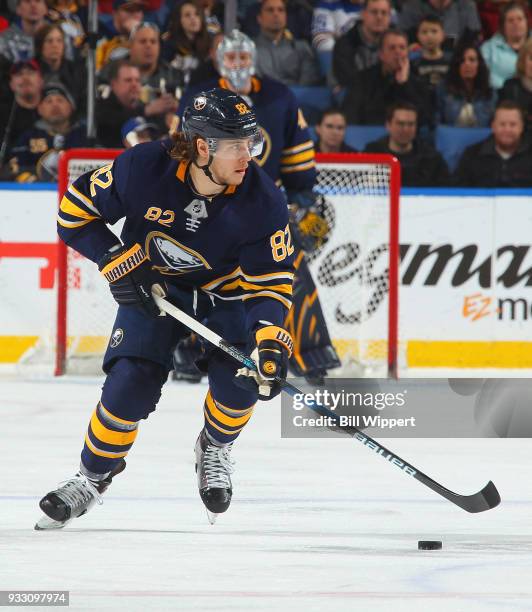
(91, 308)
(350, 271)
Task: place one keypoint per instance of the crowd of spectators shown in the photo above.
(407, 65)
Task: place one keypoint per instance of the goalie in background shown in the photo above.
(288, 157)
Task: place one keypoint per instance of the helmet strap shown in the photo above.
(207, 171)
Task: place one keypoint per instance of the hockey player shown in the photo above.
(288, 157)
(208, 228)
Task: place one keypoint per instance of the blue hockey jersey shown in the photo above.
(288, 154)
(234, 246)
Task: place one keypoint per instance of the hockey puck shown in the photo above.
(429, 545)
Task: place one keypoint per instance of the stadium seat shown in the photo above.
(451, 141)
(358, 136)
(312, 101)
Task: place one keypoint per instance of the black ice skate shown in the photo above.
(74, 498)
(213, 468)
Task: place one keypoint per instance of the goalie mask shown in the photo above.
(225, 121)
(236, 56)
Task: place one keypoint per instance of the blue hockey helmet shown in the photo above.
(221, 114)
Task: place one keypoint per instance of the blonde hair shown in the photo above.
(525, 51)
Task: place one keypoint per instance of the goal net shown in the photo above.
(355, 270)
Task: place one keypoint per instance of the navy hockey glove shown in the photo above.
(273, 348)
(131, 278)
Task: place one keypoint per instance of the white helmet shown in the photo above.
(236, 42)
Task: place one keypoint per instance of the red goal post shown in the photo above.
(359, 195)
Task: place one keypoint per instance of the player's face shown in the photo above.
(53, 46)
(402, 127)
(231, 160)
(332, 130)
(430, 35)
(507, 127)
(234, 60)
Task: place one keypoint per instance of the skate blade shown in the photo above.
(211, 516)
(45, 523)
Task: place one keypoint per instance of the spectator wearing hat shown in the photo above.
(123, 103)
(502, 160)
(137, 131)
(35, 155)
(114, 44)
(16, 43)
(330, 130)
(50, 54)
(421, 164)
(279, 55)
(18, 110)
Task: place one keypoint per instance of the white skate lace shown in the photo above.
(217, 466)
(78, 491)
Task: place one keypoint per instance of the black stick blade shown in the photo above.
(486, 499)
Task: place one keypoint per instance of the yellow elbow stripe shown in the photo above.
(68, 207)
(299, 158)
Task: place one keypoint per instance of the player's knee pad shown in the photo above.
(133, 388)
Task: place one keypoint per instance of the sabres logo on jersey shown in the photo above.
(171, 257)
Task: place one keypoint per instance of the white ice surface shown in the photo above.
(314, 524)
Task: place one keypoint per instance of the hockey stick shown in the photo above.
(485, 499)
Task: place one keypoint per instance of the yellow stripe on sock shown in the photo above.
(102, 453)
(108, 436)
(221, 429)
(225, 418)
(115, 418)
